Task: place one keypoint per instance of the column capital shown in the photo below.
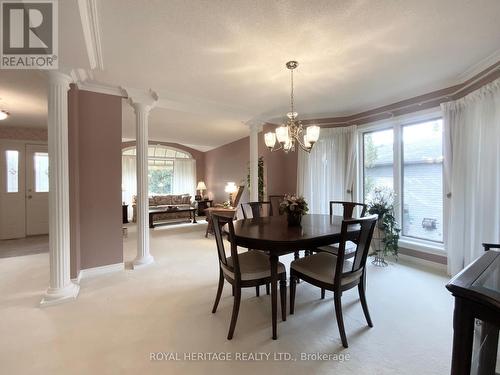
(254, 125)
(59, 78)
(141, 100)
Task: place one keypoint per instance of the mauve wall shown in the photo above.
(96, 170)
(24, 134)
(199, 156)
(230, 163)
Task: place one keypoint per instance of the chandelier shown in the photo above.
(291, 133)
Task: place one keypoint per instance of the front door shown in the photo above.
(37, 190)
(12, 191)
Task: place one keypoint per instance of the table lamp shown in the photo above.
(201, 186)
(231, 188)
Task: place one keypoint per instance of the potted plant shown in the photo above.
(386, 237)
(294, 207)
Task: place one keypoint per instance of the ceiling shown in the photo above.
(221, 63)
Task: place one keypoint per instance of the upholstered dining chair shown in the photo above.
(348, 213)
(275, 203)
(335, 272)
(257, 209)
(242, 270)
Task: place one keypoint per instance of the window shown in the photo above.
(161, 162)
(41, 163)
(378, 161)
(12, 158)
(408, 158)
(422, 181)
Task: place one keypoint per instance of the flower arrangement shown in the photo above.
(294, 207)
(381, 202)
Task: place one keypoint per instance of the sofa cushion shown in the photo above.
(176, 199)
(186, 199)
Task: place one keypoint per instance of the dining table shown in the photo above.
(273, 235)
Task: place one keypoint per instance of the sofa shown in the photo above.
(182, 200)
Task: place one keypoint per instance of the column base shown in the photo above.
(142, 261)
(55, 296)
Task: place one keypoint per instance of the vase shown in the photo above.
(294, 220)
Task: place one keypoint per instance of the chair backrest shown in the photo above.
(258, 209)
(219, 221)
(237, 197)
(363, 240)
(275, 203)
(348, 208)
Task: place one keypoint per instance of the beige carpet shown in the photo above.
(120, 318)
(24, 246)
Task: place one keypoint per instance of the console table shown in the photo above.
(476, 319)
(203, 205)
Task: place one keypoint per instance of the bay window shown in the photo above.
(406, 155)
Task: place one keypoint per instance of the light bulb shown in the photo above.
(4, 115)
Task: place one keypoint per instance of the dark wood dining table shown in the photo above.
(273, 235)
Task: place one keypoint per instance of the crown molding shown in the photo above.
(481, 67)
(91, 32)
(100, 88)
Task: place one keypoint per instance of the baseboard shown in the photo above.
(96, 271)
(77, 279)
(423, 262)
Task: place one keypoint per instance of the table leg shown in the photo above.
(194, 216)
(151, 225)
(274, 293)
(463, 337)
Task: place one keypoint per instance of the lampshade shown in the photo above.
(282, 134)
(270, 139)
(313, 133)
(306, 142)
(201, 186)
(4, 115)
(231, 188)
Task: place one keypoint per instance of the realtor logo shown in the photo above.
(29, 34)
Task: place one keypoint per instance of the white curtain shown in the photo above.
(184, 176)
(129, 182)
(472, 173)
(328, 172)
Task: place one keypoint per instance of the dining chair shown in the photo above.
(335, 272)
(489, 246)
(347, 213)
(258, 209)
(242, 270)
(275, 203)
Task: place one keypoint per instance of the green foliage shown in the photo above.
(382, 204)
(261, 178)
(160, 180)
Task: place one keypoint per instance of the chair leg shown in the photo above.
(283, 297)
(267, 289)
(322, 293)
(233, 289)
(257, 291)
(293, 284)
(236, 309)
(219, 292)
(362, 298)
(296, 255)
(340, 319)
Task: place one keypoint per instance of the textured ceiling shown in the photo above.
(221, 62)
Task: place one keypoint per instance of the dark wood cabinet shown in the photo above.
(476, 318)
(203, 205)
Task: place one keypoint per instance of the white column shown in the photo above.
(60, 286)
(142, 121)
(254, 161)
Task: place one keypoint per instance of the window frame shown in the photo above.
(397, 124)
